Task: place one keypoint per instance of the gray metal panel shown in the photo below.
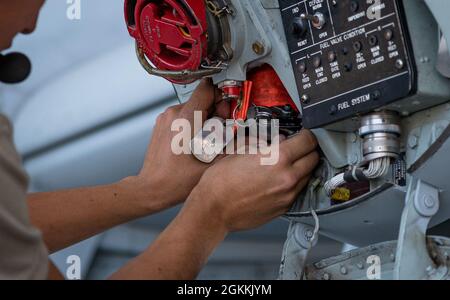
(374, 219)
(439, 8)
(434, 168)
(354, 265)
(432, 87)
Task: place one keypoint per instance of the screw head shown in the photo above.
(345, 50)
(348, 66)
(354, 6)
(392, 257)
(333, 110)
(426, 205)
(429, 202)
(399, 64)
(376, 95)
(258, 48)
(305, 99)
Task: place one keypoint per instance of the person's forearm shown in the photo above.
(68, 217)
(180, 251)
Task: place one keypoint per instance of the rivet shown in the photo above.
(413, 142)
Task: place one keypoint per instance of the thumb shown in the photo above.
(202, 100)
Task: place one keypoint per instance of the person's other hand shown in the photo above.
(238, 193)
(166, 175)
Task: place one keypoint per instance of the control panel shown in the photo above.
(349, 56)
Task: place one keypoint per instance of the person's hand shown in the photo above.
(238, 193)
(170, 177)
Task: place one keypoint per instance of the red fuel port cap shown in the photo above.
(172, 34)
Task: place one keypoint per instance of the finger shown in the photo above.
(177, 107)
(202, 100)
(299, 145)
(221, 107)
(294, 195)
(304, 166)
(301, 185)
(223, 110)
(246, 146)
(165, 117)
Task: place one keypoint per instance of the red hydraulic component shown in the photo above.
(268, 90)
(263, 88)
(171, 33)
(240, 107)
(231, 90)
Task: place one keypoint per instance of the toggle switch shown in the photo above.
(317, 20)
(299, 27)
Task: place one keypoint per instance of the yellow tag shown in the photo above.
(341, 194)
